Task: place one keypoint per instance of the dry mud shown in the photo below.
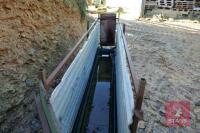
(34, 34)
(167, 55)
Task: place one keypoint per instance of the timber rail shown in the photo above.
(48, 81)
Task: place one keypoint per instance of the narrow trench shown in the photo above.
(96, 114)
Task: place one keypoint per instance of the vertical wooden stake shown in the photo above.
(140, 94)
(88, 26)
(138, 113)
(124, 28)
(42, 76)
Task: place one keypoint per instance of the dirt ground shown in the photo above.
(34, 34)
(167, 55)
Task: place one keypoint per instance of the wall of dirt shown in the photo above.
(34, 34)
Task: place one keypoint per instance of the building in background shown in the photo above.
(133, 8)
(173, 8)
(178, 5)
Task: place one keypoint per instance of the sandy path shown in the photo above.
(168, 56)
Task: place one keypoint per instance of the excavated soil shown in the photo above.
(34, 34)
(167, 55)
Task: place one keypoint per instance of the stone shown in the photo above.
(29, 82)
(45, 58)
(162, 111)
(35, 125)
(197, 113)
(11, 90)
(141, 124)
(32, 51)
(171, 19)
(55, 41)
(147, 19)
(23, 77)
(197, 103)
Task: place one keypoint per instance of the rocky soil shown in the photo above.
(168, 56)
(34, 34)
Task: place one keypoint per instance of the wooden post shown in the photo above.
(142, 8)
(124, 28)
(140, 94)
(138, 113)
(42, 117)
(42, 76)
(88, 26)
